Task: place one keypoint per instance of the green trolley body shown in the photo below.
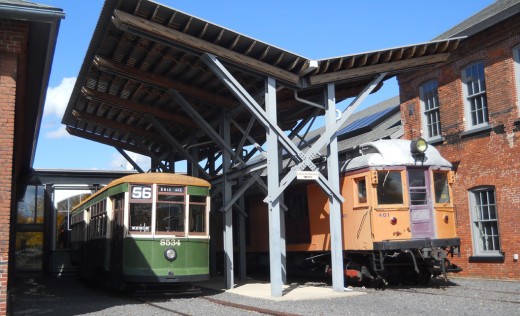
(145, 228)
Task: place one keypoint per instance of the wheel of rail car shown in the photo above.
(425, 276)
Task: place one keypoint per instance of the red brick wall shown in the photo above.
(12, 39)
(489, 158)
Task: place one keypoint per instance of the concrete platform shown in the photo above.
(292, 292)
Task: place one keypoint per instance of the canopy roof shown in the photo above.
(141, 51)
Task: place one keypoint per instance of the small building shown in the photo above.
(28, 33)
(469, 108)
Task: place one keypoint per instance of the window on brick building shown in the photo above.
(475, 102)
(516, 55)
(431, 118)
(486, 238)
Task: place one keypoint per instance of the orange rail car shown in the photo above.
(398, 218)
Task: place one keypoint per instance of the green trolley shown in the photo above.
(143, 229)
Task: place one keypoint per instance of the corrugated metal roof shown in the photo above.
(141, 50)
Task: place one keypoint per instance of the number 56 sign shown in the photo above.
(141, 192)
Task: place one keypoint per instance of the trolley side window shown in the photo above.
(197, 220)
(389, 187)
(140, 209)
(170, 209)
(441, 187)
(361, 190)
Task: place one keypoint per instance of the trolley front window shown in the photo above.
(170, 217)
(442, 192)
(141, 217)
(170, 210)
(389, 187)
(140, 209)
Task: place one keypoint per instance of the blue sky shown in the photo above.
(314, 29)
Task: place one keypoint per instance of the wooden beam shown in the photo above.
(136, 107)
(110, 124)
(390, 67)
(160, 82)
(107, 141)
(127, 22)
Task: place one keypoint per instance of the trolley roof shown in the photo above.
(394, 152)
(142, 50)
(151, 178)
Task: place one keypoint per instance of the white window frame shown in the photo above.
(475, 94)
(516, 57)
(484, 228)
(430, 110)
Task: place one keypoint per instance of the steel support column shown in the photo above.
(228, 215)
(333, 177)
(242, 236)
(273, 163)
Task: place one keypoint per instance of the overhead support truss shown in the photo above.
(304, 161)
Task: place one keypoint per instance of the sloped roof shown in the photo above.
(388, 126)
(141, 51)
(489, 16)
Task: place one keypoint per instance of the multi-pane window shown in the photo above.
(430, 108)
(486, 239)
(476, 109)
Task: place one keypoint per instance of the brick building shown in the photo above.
(468, 107)
(28, 35)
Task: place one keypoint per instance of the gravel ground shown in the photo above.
(67, 296)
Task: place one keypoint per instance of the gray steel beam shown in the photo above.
(305, 160)
(208, 129)
(130, 160)
(166, 134)
(324, 139)
(275, 249)
(228, 216)
(334, 205)
(242, 239)
(243, 140)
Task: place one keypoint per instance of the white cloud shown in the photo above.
(119, 162)
(59, 133)
(58, 97)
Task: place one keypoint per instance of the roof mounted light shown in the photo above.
(418, 146)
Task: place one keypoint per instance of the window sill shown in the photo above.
(477, 131)
(487, 259)
(435, 141)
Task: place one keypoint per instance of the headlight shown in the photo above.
(170, 254)
(418, 146)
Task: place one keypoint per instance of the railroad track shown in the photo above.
(253, 309)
